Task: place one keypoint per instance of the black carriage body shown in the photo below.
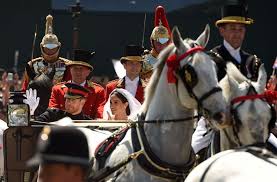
(19, 145)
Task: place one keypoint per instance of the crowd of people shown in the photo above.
(72, 94)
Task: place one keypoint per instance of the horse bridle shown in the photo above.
(241, 99)
(189, 76)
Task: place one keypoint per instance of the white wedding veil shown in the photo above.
(134, 104)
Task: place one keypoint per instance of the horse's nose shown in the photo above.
(221, 119)
(218, 116)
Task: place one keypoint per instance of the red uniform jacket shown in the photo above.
(120, 83)
(95, 102)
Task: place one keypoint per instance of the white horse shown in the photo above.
(183, 81)
(252, 116)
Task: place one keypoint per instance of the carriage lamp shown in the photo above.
(18, 112)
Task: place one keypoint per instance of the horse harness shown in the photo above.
(236, 120)
(142, 153)
(188, 75)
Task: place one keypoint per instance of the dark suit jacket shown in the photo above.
(51, 115)
(249, 66)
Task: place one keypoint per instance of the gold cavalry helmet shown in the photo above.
(161, 32)
(50, 41)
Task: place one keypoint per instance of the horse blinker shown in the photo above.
(189, 76)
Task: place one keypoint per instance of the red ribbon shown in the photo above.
(269, 95)
(173, 62)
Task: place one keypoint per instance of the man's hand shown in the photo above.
(32, 100)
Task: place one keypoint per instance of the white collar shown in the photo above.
(135, 81)
(229, 47)
(82, 84)
(235, 53)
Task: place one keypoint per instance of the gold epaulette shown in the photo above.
(36, 59)
(90, 83)
(143, 83)
(116, 80)
(120, 83)
(61, 83)
(66, 61)
(95, 84)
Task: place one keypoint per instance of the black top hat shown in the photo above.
(234, 13)
(76, 91)
(61, 145)
(81, 57)
(132, 53)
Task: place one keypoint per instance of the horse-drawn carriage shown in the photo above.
(156, 147)
(19, 143)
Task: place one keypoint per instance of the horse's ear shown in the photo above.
(177, 39)
(234, 85)
(261, 82)
(233, 71)
(204, 37)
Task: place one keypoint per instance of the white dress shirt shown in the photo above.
(82, 84)
(131, 85)
(235, 53)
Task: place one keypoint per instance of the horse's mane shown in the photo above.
(151, 87)
(43, 84)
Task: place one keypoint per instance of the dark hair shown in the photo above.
(123, 99)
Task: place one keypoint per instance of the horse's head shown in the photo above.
(193, 72)
(43, 84)
(251, 113)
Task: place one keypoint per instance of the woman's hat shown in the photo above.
(234, 13)
(82, 58)
(132, 53)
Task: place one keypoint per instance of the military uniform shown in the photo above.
(39, 66)
(96, 98)
(249, 65)
(52, 114)
(120, 83)
(162, 34)
(46, 63)
(73, 91)
(94, 104)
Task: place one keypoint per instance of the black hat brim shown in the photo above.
(79, 63)
(52, 159)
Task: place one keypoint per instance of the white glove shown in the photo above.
(32, 100)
